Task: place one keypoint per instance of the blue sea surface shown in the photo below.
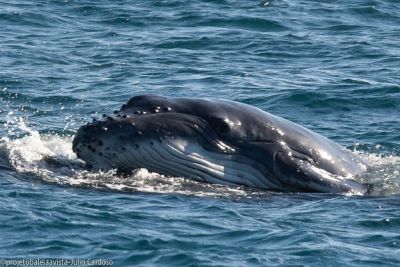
(332, 66)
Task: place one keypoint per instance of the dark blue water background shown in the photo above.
(332, 66)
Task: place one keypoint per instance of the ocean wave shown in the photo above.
(345, 102)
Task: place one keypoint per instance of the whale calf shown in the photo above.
(218, 141)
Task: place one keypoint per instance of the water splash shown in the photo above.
(383, 175)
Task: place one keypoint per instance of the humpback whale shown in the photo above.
(218, 141)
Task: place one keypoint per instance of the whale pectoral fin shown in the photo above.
(295, 172)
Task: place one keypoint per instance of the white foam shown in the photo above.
(384, 174)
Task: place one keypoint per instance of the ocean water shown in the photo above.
(332, 66)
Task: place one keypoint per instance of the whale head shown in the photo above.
(216, 141)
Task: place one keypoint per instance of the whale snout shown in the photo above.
(87, 140)
(85, 136)
(95, 141)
